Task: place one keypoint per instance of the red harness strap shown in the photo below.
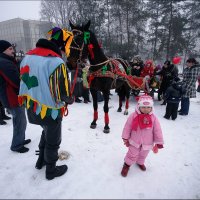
(65, 111)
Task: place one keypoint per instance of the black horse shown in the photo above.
(104, 73)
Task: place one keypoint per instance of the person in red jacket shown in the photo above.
(148, 69)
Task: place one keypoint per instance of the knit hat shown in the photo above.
(4, 45)
(145, 101)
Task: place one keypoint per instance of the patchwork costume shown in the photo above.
(45, 92)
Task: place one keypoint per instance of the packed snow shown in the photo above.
(96, 159)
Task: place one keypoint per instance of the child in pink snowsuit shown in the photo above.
(141, 131)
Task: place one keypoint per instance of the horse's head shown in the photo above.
(62, 38)
(85, 45)
(79, 47)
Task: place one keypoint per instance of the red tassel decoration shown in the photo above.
(34, 106)
(62, 111)
(20, 100)
(91, 52)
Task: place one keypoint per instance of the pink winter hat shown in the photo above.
(145, 101)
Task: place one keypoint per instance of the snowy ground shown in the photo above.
(96, 160)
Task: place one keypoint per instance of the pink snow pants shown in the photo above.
(135, 155)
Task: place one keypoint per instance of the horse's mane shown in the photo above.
(98, 51)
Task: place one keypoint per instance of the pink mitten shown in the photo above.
(155, 149)
(126, 142)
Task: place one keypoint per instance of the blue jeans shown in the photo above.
(185, 104)
(19, 127)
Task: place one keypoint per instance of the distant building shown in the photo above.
(23, 33)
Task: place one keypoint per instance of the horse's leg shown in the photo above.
(95, 106)
(127, 100)
(106, 110)
(120, 104)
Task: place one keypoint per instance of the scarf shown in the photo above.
(143, 121)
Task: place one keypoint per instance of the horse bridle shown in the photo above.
(77, 47)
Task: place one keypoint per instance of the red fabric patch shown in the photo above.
(34, 106)
(24, 70)
(42, 52)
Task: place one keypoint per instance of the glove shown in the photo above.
(160, 146)
(126, 142)
(156, 147)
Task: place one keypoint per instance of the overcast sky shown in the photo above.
(22, 9)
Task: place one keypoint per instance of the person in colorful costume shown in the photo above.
(45, 91)
(141, 132)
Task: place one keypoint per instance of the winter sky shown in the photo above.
(22, 9)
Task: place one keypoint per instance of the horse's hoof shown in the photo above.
(106, 130)
(119, 110)
(93, 126)
(125, 112)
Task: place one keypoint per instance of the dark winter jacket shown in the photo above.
(168, 74)
(136, 68)
(174, 92)
(9, 81)
(190, 75)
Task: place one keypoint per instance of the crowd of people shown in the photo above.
(43, 69)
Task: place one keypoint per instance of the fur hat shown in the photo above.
(136, 58)
(167, 62)
(4, 45)
(145, 101)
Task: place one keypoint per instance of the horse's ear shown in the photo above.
(86, 27)
(71, 25)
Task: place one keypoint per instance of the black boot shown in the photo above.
(40, 161)
(53, 171)
(163, 103)
(2, 122)
(3, 114)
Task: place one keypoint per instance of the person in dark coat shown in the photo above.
(190, 75)
(173, 97)
(9, 90)
(168, 73)
(198, 87)
(136, 66)
(3, 115)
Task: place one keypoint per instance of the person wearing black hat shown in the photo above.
(9, 90)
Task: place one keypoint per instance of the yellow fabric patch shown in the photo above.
(43, 111)
(69, 35)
